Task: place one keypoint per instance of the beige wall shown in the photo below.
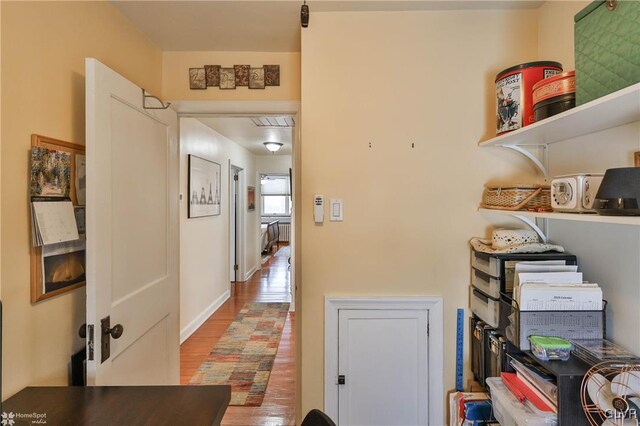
(555, 31)
(204, 242)
(279, 164)
(43, 49)
(176, 75)
(400, 78)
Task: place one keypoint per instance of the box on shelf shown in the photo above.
(607, 48)
(519, 325)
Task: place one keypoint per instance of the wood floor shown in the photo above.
(270, 284)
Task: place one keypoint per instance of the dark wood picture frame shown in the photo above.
(37, 285)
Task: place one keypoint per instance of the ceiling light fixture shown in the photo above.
(273, 146)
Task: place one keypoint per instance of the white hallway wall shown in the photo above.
(204, 242)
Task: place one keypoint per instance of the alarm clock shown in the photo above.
(575, 193)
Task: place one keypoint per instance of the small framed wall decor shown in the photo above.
(212, 75)
(242, 74)
(271, 75)
(256, 78)
(251, 198)
(227, 78)
(204, 187)
(197, 79)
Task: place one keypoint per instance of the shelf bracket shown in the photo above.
(532, 223)
(146, 96)
(539, 164)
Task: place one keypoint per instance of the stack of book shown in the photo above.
(594, 351)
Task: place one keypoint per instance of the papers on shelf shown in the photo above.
(53, 222)
(554, 287)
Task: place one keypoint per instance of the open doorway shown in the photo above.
(236, 219)
(258, 280)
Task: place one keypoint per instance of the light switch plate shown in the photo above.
(337, 210)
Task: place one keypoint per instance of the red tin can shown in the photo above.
(554, 95)
(514, 89)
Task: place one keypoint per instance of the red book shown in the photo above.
(523, 393)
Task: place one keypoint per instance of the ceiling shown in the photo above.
(260, 26)
(244, 132)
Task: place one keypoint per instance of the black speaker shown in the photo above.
(619, 192)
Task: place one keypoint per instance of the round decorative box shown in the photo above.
(514, 86)
(554, 95)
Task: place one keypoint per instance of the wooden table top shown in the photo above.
(119, 405)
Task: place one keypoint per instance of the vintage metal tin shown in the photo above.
(554, 95)
(514, 87)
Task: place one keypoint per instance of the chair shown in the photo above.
(273, 235)
(316, 417)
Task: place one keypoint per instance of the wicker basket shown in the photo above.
(533, 198)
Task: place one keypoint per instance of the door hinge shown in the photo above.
(428, 329)
(235, 267)
(90, 342)
(341, 379)
(235, 177)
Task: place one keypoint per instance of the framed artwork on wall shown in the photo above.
(203, 187)
(251, 198)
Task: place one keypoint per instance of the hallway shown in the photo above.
(270, 284)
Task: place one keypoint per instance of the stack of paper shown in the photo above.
(554, 287)
(53, 222)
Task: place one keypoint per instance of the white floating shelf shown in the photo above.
(615, 109)
(584, 217)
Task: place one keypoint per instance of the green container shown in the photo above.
(607, 48)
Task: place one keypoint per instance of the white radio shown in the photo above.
(575, 193)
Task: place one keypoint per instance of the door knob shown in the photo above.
(83, 331)
(116, 331)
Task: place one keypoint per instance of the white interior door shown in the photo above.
(382, 355)
(132, 232)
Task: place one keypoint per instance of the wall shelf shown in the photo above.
(585, 217)
(615, 109)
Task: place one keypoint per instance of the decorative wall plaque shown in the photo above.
(227, 78)
(271, 75)
(242, 74)
(212, 73)
(197, 79)
(256, 78)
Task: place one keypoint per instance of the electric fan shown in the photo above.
(610, 394)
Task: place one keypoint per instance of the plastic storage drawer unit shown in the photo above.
(485, 307)
(486, 283)
(511, 412)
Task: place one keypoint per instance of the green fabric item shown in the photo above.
(550, 342)
(607, 49)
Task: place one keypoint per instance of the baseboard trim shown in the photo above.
(204, 315)
(250, 273)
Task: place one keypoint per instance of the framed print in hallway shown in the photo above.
(204, 187)
(251, 198)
